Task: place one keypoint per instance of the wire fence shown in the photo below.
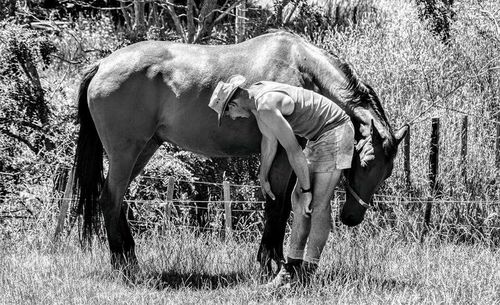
(408, 217)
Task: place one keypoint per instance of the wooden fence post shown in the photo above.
(240, 26)
(433, 171)
(427, 218)
(497, 148)
(64, 205)
(167, 208)
(227, 208)
(407, 170)
(434, 157)
(463, 150)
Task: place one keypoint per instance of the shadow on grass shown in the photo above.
(345, 276)
(176, 280)
(334, 276)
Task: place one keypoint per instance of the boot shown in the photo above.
(307, 271)
(287, 277)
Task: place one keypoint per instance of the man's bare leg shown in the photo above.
(321, 218)
(312, 230)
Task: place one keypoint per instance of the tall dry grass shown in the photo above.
(181, 266)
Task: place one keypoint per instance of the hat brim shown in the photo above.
(224, 106)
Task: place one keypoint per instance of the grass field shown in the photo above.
(180, 267)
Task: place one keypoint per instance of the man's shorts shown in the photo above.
(332, 150)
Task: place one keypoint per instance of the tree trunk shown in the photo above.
(11, 8)
(126, 17)
(139, 20)
(206, 17)
(41, 108)
(190, 21)
(240, 25)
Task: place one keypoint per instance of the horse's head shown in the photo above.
(372, 163)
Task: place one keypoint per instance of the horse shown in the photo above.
(152, 92)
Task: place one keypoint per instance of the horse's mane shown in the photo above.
(354, 92)
(357, 93)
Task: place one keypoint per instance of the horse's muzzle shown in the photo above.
(351, 220)
(352, 213)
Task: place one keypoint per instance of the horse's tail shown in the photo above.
(88, 166)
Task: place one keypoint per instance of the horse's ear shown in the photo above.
(376, 137)
(401, 133)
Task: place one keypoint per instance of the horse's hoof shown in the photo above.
(269, 267)
(130, 273)
(128, 266)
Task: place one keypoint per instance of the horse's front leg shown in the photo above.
(282, 179)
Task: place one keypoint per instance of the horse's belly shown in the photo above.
(234, 138)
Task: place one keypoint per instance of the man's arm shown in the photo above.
(268, 147)
(274, 121)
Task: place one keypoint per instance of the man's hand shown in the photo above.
(266, 188)
(304, 200)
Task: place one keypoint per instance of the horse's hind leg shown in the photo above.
(121, 242)
(146, 154)
(143, 159)
(122, 169)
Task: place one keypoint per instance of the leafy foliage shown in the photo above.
(439, 15)
(7, 9)
(31, 127)
(24, 113)
(386, 43)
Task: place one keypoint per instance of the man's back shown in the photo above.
(312, 114)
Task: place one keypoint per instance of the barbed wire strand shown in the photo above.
(397, 199)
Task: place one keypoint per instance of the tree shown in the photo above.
(7, 9)
(439, 14)
(24, 112)
(192, 22)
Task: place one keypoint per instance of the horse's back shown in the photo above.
(191, 65)
(163, 88)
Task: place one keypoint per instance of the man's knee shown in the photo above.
(321, 203)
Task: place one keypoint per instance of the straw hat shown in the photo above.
(223, 94)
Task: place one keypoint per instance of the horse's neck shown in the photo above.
(332, 83)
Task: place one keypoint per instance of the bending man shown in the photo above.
(282, 112)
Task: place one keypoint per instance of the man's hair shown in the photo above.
(230, 102)
(236, 93)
